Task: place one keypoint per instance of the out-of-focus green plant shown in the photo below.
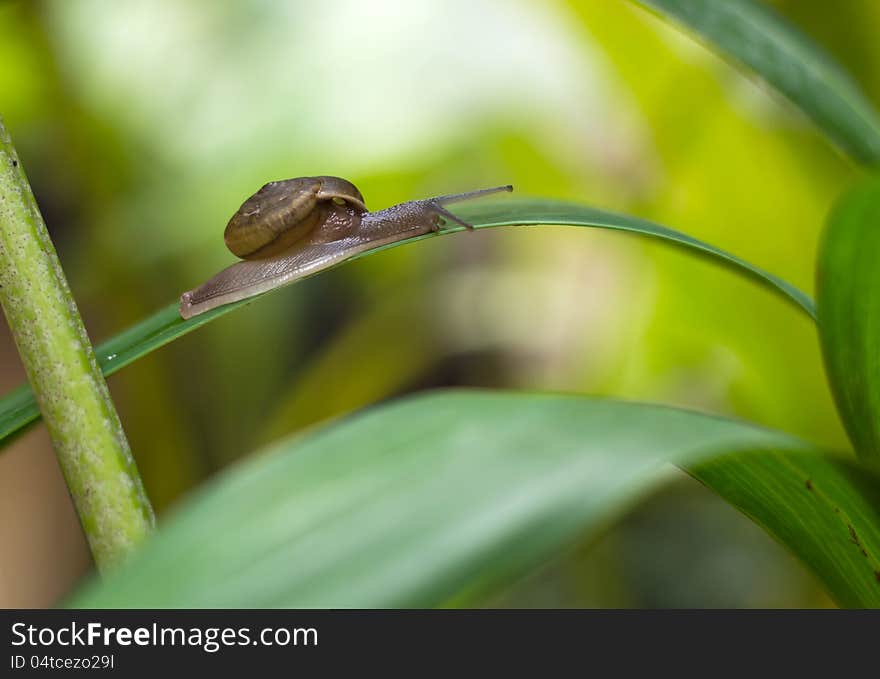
(434, 500)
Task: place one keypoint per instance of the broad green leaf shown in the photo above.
(418, 502)
(755, 36)
(18, 408)
(848, 289)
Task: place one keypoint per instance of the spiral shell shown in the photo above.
(283, 212)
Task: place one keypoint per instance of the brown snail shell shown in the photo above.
(284, 212)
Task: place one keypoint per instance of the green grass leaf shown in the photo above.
(427, 499)
(804, 500)
(753, 35)
(18, 408)
(848, 289)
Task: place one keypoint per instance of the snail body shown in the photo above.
(293, 228)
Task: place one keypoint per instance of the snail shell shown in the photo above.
(284, 212)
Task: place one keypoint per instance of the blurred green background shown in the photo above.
(144, 124)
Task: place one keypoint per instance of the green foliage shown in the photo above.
(754, 35)
(441, 499)
(413, 503)
(824, 509)
(848, 285)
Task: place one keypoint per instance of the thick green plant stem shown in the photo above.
(71, 392)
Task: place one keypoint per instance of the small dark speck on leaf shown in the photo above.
(853, 536)
(809, 484)
(877, 575)
(14, 163)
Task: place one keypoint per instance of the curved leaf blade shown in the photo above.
(415, 502)
(848, 289)
(17, 409)
(803, 500)
(756, 36)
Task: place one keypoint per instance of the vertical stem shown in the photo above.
(86, 432)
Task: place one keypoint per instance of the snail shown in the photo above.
(293, 228)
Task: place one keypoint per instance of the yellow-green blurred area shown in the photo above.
(144, 124)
